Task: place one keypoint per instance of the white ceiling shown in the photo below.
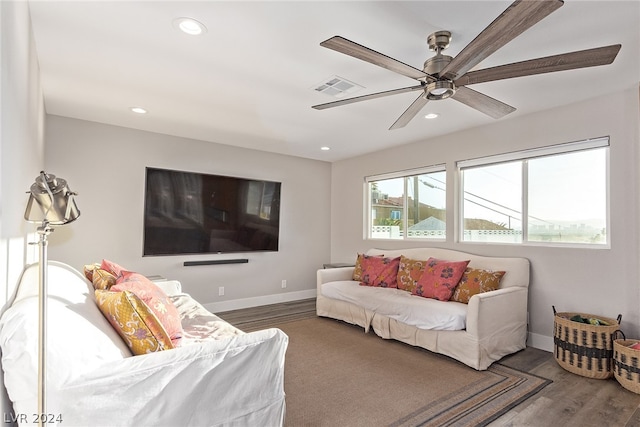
(249, 81)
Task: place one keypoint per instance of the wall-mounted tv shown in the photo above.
(197, 213)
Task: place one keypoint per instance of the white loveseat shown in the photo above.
(494, 323)
(218, 376)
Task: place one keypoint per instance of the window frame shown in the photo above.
(404, 174)
(524, 156)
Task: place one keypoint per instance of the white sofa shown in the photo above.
(219, 376)
(495, 321)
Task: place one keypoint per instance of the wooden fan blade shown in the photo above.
(367, 97)
(483, 103)
(518, 17)
(410, 113)
(568, 61)
(342, 45)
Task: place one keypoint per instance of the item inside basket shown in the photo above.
(589, 320)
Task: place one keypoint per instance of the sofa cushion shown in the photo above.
(475, 281)
(134, 321)
(380, 272)
(199, 324)
(409, 272)
(440, 278)
(423, 313)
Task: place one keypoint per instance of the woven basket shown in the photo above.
(626, 364)
(582, 348)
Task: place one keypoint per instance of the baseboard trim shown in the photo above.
(541, 342)
(217, 307)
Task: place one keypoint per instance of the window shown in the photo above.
(492, 203)
(407, 205)
(552, 195)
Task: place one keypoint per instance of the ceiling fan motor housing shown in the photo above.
(434, 65)
(437, 42)
(439, 89)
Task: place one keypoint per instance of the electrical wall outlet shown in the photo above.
(221, 291)
(284, 284)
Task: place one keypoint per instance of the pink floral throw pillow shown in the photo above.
(440, 279)
(475, 281)
(380, 272)
(154, 297)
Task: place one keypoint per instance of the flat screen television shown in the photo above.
(197, 213)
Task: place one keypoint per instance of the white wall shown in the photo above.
(21, 146)
(21, 137)
(106, 164)
(604, 282)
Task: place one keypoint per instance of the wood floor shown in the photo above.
(570, 401)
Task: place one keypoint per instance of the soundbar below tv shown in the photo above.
(197, 213)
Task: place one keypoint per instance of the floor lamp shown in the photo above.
(50, 203)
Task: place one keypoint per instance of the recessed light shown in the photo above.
(325, 148)
(431, 116)
(138, 110)
(189, 26)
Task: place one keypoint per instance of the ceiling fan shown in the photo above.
(446, 77)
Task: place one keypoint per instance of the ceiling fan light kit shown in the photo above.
(440, 89)
(444, 77)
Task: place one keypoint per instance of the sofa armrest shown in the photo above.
(493, 312)
(170, 287)
(233, 382)
(327, 275)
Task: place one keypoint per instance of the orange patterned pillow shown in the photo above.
(409, 272)
(360, 261)
(88, 270)
(476, 281)
(134, 321)
(357, 271)
(440, 278)
(102, 279)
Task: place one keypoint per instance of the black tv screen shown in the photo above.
(197, 213)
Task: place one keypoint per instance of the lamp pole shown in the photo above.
(43, 231)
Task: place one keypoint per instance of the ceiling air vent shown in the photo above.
(337, 87)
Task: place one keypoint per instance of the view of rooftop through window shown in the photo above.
(565, 194)
(555, 195)
(425, 205)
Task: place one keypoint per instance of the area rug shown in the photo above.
(337, 375)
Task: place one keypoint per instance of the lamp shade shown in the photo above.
(51, 200)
